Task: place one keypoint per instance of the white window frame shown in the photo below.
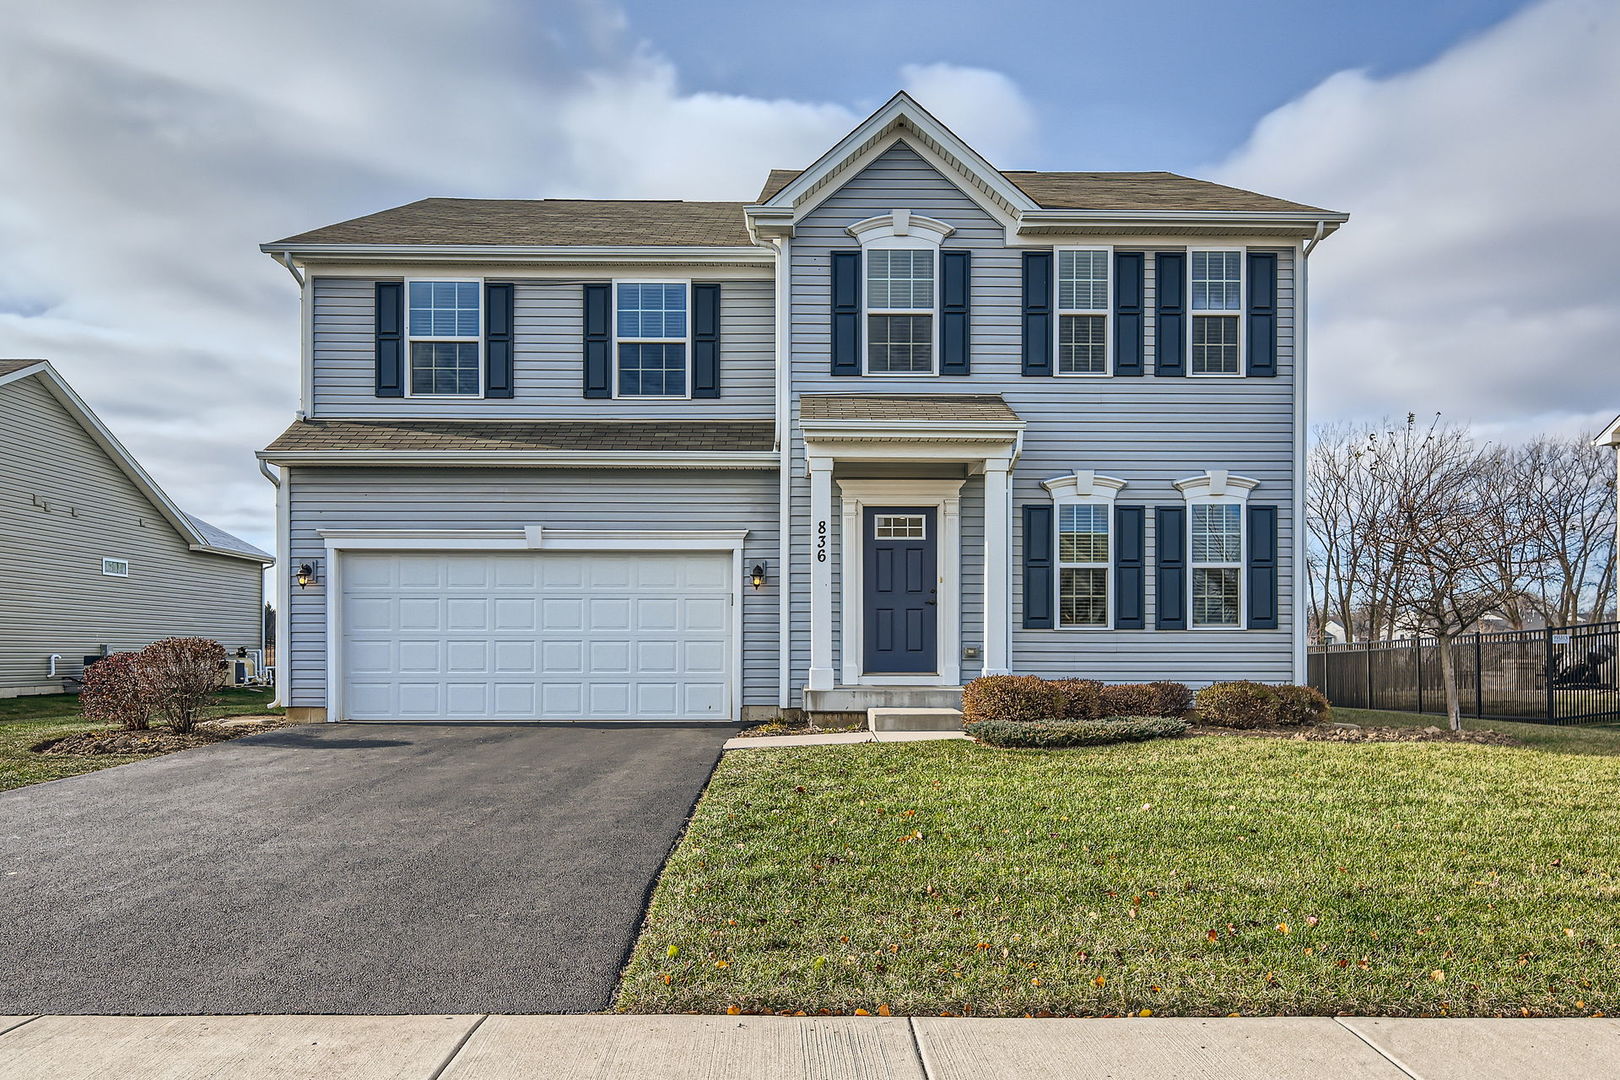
(900, 229)
(685, 283)
(477, 339)
(1107, 312)
(107, 560)
(1217, 487)
(1082, 487)
(1240, 313)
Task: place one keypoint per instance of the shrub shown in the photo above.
(1302, 705)
(179, 677)
(1078, 699)
(112, 693)
(1019, 699)
(1239, 704)
(1129, 699)
(1170, 699)
(1063, 733)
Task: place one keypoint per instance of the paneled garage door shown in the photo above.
(537, 636)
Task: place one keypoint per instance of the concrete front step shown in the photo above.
(857, 699)
(914, 719)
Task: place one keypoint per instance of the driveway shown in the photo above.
(346, 869)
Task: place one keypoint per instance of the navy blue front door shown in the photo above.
(902, 583)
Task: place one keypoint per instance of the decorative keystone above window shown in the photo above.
(1217, 545)
(1083, 484)
(901, 224)
(1216, 483)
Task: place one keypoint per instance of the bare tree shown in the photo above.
(1569, 485)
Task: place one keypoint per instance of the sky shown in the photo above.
(150, 148)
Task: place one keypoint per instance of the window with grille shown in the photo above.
(1217, 564)
(650, 324)
(444, 320)
(1082, 301)
(900, 311)
(1084, 550)
(1217, 312)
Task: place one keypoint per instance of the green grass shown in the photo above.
(1594, 739)
(952, 878)
(29, 721)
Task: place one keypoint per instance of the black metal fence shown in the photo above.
(1560, 675)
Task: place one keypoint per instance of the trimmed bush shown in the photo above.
(112, 694)
(1079, 699)
(179, 677)
(1019, 699)
(1146, 699)
(1171, 699)
(1302, 705)
(1054, 735)
(1256, 705)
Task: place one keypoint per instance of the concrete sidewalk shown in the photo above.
(597, 1047)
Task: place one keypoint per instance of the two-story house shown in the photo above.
(903, 420)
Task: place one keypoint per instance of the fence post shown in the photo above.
(1479, 677)
(1417, 654)
(1549, 675)
(1367, 652)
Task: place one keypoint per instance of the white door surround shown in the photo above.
(945, 497)
(538, 540)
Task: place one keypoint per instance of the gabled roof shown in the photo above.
(541, 223)
(197, 533)
(1610, 436)
(1113, 191)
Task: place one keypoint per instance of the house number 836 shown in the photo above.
(821, 541)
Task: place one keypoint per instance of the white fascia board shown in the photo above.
(866, 429)
(742, 254)
(486, 459)
(22, 373)
(534, 538)
(1610, 436)
(262, 560)
(1235, 221)
(104, 438)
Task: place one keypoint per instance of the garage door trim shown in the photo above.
(535, 538)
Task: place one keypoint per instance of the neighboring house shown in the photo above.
(903, 420)
(94, 556)
(1611, 437)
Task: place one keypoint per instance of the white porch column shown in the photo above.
(997, 567)
(821, 665)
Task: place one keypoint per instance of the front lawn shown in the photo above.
(26, 722)
(1568, 739)
(1191, 876)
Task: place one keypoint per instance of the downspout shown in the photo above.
(784, 466)
(283, 584)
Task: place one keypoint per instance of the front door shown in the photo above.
(902, 591)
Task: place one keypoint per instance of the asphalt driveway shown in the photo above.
(346, 869)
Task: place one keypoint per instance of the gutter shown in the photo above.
(783, 303)
(747, 254)
(621, 459)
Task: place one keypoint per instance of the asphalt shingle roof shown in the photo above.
(219, 538)
(947, 408)
(1114, 191)
(543, 223)
(8, 366)
(653, 436)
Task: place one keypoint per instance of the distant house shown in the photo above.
(93, 555)
(1611, 437)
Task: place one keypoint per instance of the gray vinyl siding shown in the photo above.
(631, 500)
(548, 360)
(1147, 431)
(53, 596)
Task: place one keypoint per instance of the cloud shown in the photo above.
(986, 108)
(151, 147)
(1477, 274)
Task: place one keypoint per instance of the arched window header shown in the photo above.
(1216, 484)
(900, 227)
(1084, 484)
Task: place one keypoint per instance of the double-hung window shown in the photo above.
(900, 310)
(651, 328)
(1217, 563)
(444, 320)
(1082, 301)
(1217, 312)
(1085, 556)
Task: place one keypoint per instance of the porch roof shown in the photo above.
(944, 409)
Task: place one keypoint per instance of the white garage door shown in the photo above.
(537, 636)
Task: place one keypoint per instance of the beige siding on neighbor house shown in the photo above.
(64, 506)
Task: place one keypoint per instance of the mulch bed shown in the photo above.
(158, 740)
(1353, 734)
(797, 727)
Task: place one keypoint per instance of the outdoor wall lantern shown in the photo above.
(308, 574)
(756, 577)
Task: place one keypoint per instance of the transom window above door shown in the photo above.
(900, 526)
(652, 332)
(444, 321)
(900, 311)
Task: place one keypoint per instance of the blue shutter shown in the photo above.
(1262, 568)
(955, 291)
(1039, 585)
(1262, 336)
(1130, 574)
(1128, 318)
(598, 341)
(706, 340)
(1170, 569)
(390, 335)
(846, 313)
(1170, 313)
(1038, 312)
(498, 341)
